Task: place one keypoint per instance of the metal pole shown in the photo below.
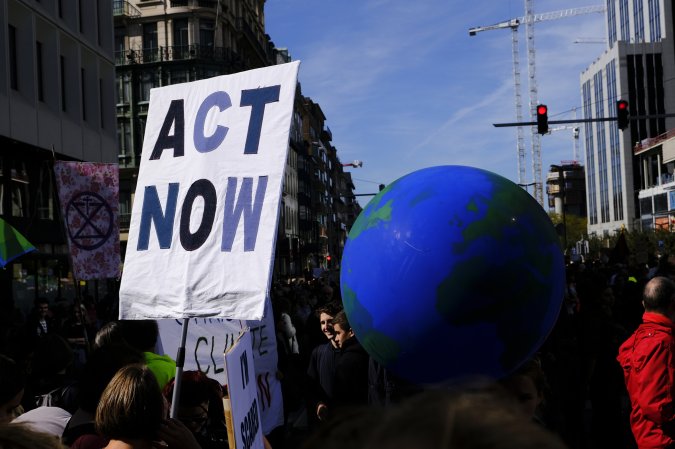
(180, 362)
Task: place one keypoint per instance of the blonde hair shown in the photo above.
(20, 436)
(131, 406)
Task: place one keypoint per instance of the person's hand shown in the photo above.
(176, 436)
(321, 411)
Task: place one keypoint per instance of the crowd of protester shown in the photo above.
(72, 370)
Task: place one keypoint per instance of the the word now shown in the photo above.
(236, 205)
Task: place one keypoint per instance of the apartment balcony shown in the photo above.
(176, 53)
(194, 3)
(124, 9)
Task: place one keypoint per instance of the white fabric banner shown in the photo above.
(209, 338)
(204, 218)
(89, 197)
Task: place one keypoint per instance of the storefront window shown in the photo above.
(45, 194)
(23, 285)
(19, 189)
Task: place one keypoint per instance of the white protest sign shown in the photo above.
(243, 396)
(208, 338)
(205, 213)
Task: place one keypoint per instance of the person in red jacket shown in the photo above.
(648, 362)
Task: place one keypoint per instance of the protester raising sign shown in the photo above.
(203, 223)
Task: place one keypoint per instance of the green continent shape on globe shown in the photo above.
(379, 214)
(474, 275)
(380, 346)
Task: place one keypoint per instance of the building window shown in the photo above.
(83, 94)
(45, 194)
(611, 22)
(181, 44)
(639, 21)
(79, 15)
(40, 71)
(150, 43)
(206, 34)
(180, 76)
(654, 21)
(19, 189)
(123, 89)
(63, 83)
(101, 112)
(120, 55)
(124, 141)
(148, 81)
(646, 206)
(13, 63)
(660, 202)
(625, 24)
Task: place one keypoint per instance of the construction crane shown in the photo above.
(528, 20)
(575, 134)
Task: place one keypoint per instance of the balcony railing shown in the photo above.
(652, 141)
(199, 3)
(176, 53)
(122, 8)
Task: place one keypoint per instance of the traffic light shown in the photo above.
(542, 119)
(327, 257)
(622, 114)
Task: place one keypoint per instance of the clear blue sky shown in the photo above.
(404, 86)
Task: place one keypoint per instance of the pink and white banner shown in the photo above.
(88, 193)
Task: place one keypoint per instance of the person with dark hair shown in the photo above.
(528, 386)
(200, 408)
(39, 322)
(143, 335)
(102, 365)
(648, 362)
(51, 379)
(131, 413)
(12, 384)
(350, 384)
(436, 419)
(321, 368)
(110, 332)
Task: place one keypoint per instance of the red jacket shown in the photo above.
(648, 362)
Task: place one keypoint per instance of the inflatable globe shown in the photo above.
(452, 272)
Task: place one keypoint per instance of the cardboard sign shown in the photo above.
(207, 340)
(243, 397)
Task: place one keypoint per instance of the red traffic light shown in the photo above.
(622, 114)
(328, 257)
(542, 119)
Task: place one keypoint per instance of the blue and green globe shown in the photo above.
(452, 272)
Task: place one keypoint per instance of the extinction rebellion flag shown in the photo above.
(88, 193)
